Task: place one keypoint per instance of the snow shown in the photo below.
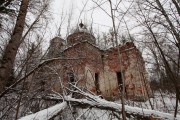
(101, 103)
(146, 112)
(96, 102)
(46, 113)
(95, 114)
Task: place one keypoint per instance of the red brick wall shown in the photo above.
(84, 60)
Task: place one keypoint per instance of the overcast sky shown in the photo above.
(101, 21)
(90, 14)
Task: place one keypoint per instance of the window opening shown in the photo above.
(71, 77)
(97, 83)
(119, 80)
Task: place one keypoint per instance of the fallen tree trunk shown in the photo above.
(93, 101)
(97, 102)
(46, 114)
(134, 111)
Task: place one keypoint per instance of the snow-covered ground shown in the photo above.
(163, 107)
(164, 102)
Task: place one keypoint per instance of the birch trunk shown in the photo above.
(12, 47)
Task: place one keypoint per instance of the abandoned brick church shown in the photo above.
(95, 70)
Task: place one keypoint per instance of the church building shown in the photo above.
(102, 72)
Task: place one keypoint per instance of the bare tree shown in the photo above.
(159, 25)
(11, 49)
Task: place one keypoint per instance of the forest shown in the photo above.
(34, 84)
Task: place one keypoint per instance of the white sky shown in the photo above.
(101, 21)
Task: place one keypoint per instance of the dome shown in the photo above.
(57, 41)
(80, 37)
(57, 45)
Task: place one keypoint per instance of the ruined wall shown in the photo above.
(90, 62)
(84, 60)
(106, 64)
(133, 71)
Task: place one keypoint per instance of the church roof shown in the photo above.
(79, 37)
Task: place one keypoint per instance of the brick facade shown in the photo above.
(97, 70)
